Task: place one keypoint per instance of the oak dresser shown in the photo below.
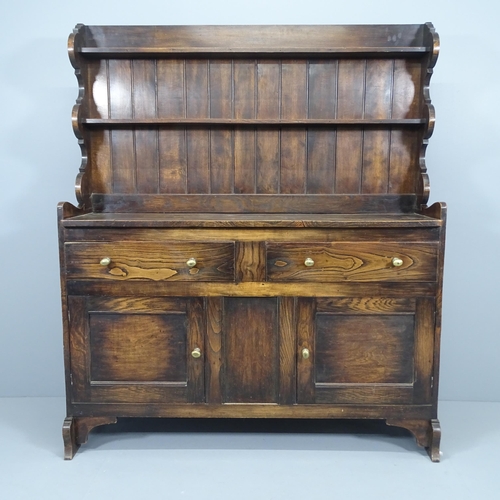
(252, 236)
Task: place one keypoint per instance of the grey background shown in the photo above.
(39, 160)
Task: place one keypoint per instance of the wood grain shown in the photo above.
(251, 350)
(352, 262)
(151, 261)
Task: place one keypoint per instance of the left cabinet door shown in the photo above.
(136, 350)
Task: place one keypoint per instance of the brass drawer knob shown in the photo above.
(106, 261)
(196, 353)
(305, 353)
(191, 262)
(309, 262)
(397, 262)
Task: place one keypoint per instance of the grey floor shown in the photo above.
(170, 459)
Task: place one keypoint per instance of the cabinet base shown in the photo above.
(76, 432)
(427, 434)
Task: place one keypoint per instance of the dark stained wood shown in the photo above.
(349, 161)
(127, 349)
(287, 331)
(305, 340)
(244, 161)
(282, 204)
(171, 100)
(151, 261)
(353, 262)
(172, 152)
(321, 162)
(250, 149)
(256, 410)
(364, 349)
(245, 289)
(250, 261)
(214, 352)
(139, 347)
(273, 222)
(76, 431)
(260, 39)
(251, 350)
(426, 432)
(376, 147)
(196, 325)
(424, 348)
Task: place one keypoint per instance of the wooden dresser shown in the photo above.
(252, 237)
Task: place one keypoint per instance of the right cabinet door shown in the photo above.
(374, 350)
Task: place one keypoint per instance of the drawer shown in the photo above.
(145, 260)
(351, 261)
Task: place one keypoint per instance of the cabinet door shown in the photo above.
(365, 350)
(136, 349)
(250, 350)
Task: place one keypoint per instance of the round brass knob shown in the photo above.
(106, 261)
(305, 353)
(309, 262)
(191, 262)
(397, 262)
(196, 353)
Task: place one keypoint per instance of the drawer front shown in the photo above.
(349, 261)
(146, 261)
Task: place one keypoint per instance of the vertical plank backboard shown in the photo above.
(171, 88)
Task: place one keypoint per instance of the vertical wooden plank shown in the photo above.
(424, 349)
(213, 349)
(379, 84)
(322, 88)
(404, 165)
(293, 141)
(221, 161)
(146, 140)
(147, 167)
(251, 351)
(244, 78)
(120, 88)
(221, 99)
(244, 160)
(123, 161)
(406, 93)
(348, 162)
(305, 340)
(351, 89)
(100, 161)
(267, 165)
(97, 83)
(294, 90)
(198, 160)
(79, 348)
(320, 161)
(122, 141)
(144, 89)
(250, 262)
(173, 160)
(197, 88)
(376, 147)
(293, 161)
(268, 89)
(287, 343)
(196, 337)
(171, 88)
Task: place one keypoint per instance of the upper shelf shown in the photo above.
(238, 41)
(239, 122)
(141, 52)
